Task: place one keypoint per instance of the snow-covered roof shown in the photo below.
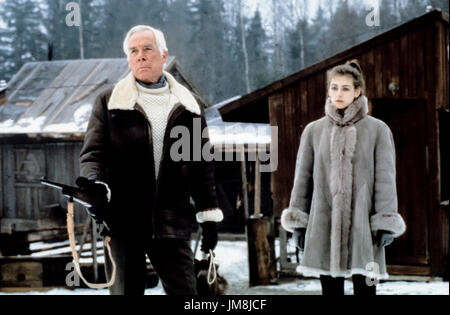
(3, 85)
(235, 133)
(229, 133)
(55, 98)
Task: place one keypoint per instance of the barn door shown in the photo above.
(407, 121)
(22, 167)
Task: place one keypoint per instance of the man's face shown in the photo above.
(145, 61)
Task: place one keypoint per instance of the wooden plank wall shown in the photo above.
(24, 200)
(438, 94)
(417, 61)
(410, 143)
(402, 60)
(444, 213)
(1, 181)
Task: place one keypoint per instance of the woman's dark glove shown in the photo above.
(209, 236)
(384, 238)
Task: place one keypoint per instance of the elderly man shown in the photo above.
(145, 195)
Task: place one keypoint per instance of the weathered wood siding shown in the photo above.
(415, 58)
(24, 201)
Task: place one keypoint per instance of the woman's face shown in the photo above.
(342, 91)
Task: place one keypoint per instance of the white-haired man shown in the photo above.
(126, 152)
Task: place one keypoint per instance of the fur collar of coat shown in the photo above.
(124, 97)
(125, 94)
(344, 192)
(342, 149)
(353, 113)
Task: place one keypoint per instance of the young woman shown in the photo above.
(344, 200)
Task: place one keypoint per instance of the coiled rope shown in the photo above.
(212, 268)
(71, 232)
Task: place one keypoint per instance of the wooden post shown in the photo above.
(86, 229)
(252, 266)
(257, 212)
(258, 225)
(244, 183)
(94, 250)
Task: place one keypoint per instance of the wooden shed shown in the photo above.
(42, 127)
(243, 182)
(239, 145)
(406, 71)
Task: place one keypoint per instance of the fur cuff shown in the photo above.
(293, 218)
(108, 194)
(391, 221)
(210, 215)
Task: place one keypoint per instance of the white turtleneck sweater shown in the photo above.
(157, 104)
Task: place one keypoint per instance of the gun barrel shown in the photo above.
(46, 182)
(70, 192)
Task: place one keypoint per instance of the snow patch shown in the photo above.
(233, 265)
(82, 114)
(23, 125)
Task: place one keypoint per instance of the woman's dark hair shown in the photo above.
(350, 68)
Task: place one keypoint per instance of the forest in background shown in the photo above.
(227, 47)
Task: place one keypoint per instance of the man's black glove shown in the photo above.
(209, 236)
(299, 238)
(98, 214)
(97, 195)
(384, 238)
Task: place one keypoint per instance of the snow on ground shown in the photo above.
(232, 259)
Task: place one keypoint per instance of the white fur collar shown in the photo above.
(125, 94)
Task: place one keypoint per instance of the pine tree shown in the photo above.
(97, 42)
(63, 38)
(413, 9)
(439, 4)
(177, 29)
(297, 46)
(258, 57)
(318, 44)
(210, 62)
(241, 32)
(345, 28)
(24, 38)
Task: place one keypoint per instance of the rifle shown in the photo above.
(77, 194)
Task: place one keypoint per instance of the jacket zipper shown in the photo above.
(150, 143)
(170, 121)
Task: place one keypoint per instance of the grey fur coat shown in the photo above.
(344, 192)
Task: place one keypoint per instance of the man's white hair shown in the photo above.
(159, 36)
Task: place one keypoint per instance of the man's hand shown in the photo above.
(299, 238)
(384, 238)
(98, 197)
(209, 236)
(97, 213)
